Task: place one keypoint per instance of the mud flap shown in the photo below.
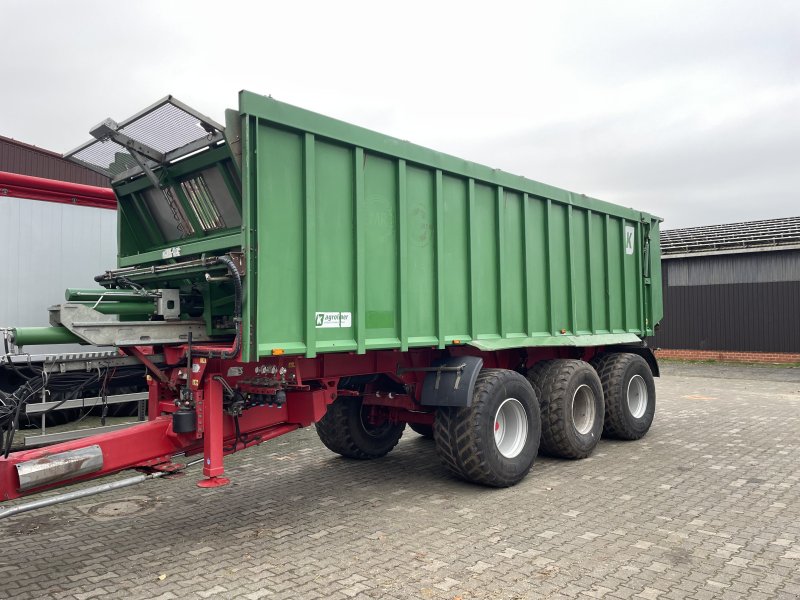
(451, 381)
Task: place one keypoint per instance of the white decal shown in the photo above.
(326, 320)
(629, 231)
(173, 252)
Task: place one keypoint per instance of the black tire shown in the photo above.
(343, 431)
(465, 437)
(425, 431)
(567, 432)
(627, 420)
(536, 375)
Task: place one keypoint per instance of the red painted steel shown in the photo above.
(212, 438)
(50, 190)
(149, 443)
(310, 384)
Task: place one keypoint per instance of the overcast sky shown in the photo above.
(686, 109)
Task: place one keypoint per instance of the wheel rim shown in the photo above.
(583, 409)
(510, 427)
(637, 396)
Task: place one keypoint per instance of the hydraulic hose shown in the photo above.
(205, 351)
(233, 351)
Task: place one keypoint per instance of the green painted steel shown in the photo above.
(93, 295)
(357, 241)
(38, 336)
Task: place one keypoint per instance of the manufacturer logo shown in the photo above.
(173, 252)
(327, 320)
(629, 239)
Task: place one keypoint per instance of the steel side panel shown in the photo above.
(48, 247)
(416, 250)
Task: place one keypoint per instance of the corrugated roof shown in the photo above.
(732, 238)
(25, 159)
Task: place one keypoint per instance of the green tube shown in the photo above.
(121, 308)
(93, 295)
(36, 336)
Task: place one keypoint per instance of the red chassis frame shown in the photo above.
(310, 384)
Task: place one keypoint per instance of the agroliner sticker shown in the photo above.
(327, 320)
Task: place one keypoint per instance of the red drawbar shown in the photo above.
(51, 190)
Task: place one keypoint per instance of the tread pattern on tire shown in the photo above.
(611, 368)
(335, 431)
(536, 375)
(554, 381)
(460, 441)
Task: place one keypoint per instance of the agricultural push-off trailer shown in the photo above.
(290, 269)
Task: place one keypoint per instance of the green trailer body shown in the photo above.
(361, 241)
(356, 241)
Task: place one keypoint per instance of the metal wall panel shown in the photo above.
(759, 316)
(758, 267)
(48, 247)
(17, 157)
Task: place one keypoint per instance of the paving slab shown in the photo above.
(707, 505)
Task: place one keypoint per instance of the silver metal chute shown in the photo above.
(105, 330)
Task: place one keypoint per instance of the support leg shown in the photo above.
(153, 397)
(213, 434)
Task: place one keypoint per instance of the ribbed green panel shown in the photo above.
(559, 269)
(456, 258)
(380, 206)
(614, 254)
(335, 275)
(485, 258)
(310, 237)
(421, 288)
(514, 301)
(419, 252)
(580, 273)
(280, 204)
(599, 274)
(538, 298)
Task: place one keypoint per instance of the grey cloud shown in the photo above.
(744, 168)
(690, 110)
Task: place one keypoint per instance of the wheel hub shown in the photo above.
(510, 427)
(637, 396)
(583, 409)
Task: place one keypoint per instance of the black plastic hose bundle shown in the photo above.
(122, 281)
(237, 313)
(37, 379)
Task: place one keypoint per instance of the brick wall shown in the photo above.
(725, 355)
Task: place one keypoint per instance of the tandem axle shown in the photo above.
(360, 404)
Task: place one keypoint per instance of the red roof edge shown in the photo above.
(50, 190)
(30, 147)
